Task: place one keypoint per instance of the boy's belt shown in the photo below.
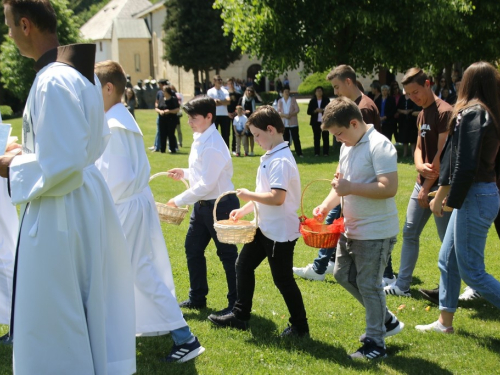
(211, 202)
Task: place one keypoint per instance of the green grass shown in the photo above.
(336, 319)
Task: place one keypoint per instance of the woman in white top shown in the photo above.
(288, 110)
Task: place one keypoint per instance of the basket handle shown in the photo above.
(255, 210)
(167, 174)
(304, 191)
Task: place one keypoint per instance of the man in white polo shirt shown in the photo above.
(222, 100)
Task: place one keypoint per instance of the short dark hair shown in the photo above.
(339, 112)
(112, 72)
(342, 72)
(200, 105)
(39, 12)
(264, 116)
(416, 75)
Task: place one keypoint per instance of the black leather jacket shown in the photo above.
(470, 154)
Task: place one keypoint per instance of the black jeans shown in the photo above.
(295, 136)
(225, 127)
(318, 134)
(280, 257)
(167, 130)
(201, 231)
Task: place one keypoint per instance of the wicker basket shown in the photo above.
(446, 208)
(168, 214)
(235, 232)
(321, 236)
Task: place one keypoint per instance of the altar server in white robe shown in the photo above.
(73, 309)
(125, 167)
(8, 238)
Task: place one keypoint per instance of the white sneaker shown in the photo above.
(308, 273)
(329, 268)
(386, 281)
(394, 290)
(234, 152)
(469, 294)
(435, 327)
(251, 154)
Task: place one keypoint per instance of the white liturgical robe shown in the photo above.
(74, 301)
(125, 167)
(8, 239)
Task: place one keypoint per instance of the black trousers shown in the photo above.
(318, 134)
(296, 139)
(280, 257)
(225, 127)
(167, 130)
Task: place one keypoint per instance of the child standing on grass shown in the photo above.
(125, 167)
(277, 197)
(367, 178)
(239, 130)
(209, 174)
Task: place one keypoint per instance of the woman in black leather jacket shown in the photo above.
(468, 185)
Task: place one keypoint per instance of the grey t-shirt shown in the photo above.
(368, 218)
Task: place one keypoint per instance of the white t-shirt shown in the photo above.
(221, 94)
(278, 170)
(239, 122)
(368, 218)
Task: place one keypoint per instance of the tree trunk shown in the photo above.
(207, 79)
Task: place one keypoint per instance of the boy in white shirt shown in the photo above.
(239, 123)
(277, 197)
(209, 174)
(367, 178)
(125, 167)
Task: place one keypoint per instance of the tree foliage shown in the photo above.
(194, 36)
(363, 33)
(17, 72)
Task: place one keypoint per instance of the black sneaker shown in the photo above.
(225, 311)
(369, 350)
(392, 327)
(431, 295)
(228, 320)
(184, 352)
(293, 331)
(188, 304)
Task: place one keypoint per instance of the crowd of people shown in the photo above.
(81, 177)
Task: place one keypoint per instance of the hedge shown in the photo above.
(314, 80)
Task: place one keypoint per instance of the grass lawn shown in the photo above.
(336, 319)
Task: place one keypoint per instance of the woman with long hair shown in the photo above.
(467, 182)
(168, 120)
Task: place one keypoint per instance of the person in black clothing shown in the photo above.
(387, 111)
(315, 109)
(234, 97)
(407, 124)
(167, 110)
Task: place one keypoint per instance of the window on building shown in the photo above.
(137, 60)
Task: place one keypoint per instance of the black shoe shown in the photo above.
(184, 352)
(225, 311)
(228, 320)
(293, 331)
(6, 339)
(369, 350)
(431, 295)
(188, 304)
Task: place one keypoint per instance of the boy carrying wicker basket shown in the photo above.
(367, 178)
(277, 197)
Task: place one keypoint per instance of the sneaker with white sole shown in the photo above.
(308, 273)
(469, 294)
(392, 327)
(394, 290)
(434, 327)
(370, 350)
(184, 352)
(386, 281)
(330, 267)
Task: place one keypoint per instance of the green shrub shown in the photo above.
(314, 80)
(268, 96)
(6, 111)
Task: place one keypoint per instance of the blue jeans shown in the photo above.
(462, 253)
(321, 262)
(157, 138)
(359, 266)
(200, 232)
(181, 335)
(416, 218)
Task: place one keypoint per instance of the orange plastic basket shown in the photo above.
(317, 234)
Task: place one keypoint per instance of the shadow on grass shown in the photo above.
(411, 365)
(483, 309)
(5, 359)
(490, 343)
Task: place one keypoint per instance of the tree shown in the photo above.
(194, 37)
(365, 34)
(16, 71)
